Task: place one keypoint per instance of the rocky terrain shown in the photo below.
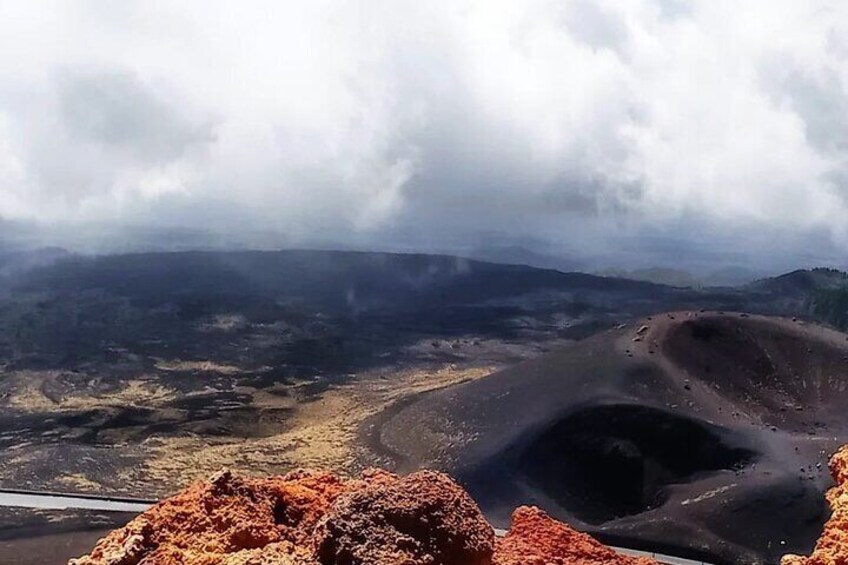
(316, 518)
(144, 372)
(137, 374)
(312, 518)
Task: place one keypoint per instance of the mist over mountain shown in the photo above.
(693, 135)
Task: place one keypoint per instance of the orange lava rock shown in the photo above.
(223, 517)
(536, 539)
(832, 547)
(312, 518)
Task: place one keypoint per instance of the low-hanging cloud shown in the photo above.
(116, 113)
(553, 120)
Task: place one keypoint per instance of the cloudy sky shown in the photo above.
(595, 126)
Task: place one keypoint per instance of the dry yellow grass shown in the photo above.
(321, 433)
(202, 366)
(80, 483)
(28, 394)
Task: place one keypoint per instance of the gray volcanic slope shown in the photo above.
(701, 433)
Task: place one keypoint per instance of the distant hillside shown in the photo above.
(326, 306)
(335, 279)
(520, 255)
(732, 276)
(822, 293)
(831, 305)
(801, 281)
(337, 303)
(14, 263)
(657, 275)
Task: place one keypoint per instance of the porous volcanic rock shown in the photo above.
(226, 520)
(832, 547)
(422, 518)
(314, 518)
(534, 538)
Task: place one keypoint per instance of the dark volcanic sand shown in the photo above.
(51, 537)
(707, 436)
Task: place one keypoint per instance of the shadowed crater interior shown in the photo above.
(606, 462)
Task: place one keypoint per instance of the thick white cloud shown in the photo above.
(538, 118)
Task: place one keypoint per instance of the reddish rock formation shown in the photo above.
(832, 547)
(536, 539)
(422, 518)
(310, 518)
(226, 516)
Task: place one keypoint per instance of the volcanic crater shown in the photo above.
(607, 462)
(703, 433)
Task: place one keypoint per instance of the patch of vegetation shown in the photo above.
(831, 306)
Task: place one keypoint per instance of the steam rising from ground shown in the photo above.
(614, 121)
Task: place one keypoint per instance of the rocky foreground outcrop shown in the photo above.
(313, 518)
(536, 539)
(832, 547)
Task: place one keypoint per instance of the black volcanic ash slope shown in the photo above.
(338, 310)
(689, 431)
